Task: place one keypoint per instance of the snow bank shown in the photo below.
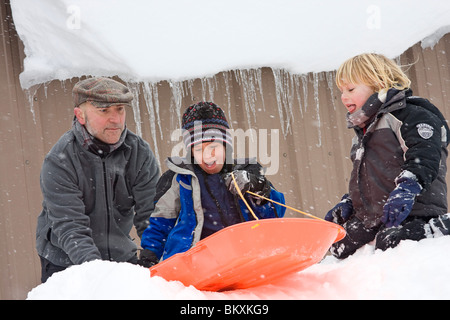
(147, 40)
(413, 270)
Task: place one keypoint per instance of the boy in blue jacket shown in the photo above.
(196, 196)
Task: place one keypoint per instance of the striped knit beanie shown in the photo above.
(205, 122)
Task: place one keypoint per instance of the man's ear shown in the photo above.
(80, 115)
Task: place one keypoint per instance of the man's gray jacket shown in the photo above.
(90, 202)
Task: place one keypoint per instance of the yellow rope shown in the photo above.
(242, 197)
(257, 195)
(296, 210)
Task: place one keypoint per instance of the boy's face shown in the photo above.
(210, 156)
(355, 95)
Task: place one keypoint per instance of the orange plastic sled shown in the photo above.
(251, 253)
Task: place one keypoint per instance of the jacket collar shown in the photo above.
(180, 165)
(90, 143)
(395, 100)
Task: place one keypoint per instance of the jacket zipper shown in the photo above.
(108, 222)
(219, 208)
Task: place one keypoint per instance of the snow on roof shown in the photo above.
(146, 40)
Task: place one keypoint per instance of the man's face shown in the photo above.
(105, 124)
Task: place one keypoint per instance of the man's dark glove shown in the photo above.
(148, 258)
(341, 212)
(247, 181)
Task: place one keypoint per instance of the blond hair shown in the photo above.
(373, 70)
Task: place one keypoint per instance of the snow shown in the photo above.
(150, 41)
(146, 41)
(412, 270)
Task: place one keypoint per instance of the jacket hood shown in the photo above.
(179, 165)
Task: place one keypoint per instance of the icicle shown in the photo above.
(134, 89)
(190, 85)
(63, 85)
(46, 89)
(30, 93)
(297, 81)
(316, 99)
(249, 104)
(251, 91)
(289, 94)
(305, 90)
(330, 81)
(156, 101)
(203, 82)
(148, 97)
(250, 79)
(284, 88)
(212, 85)
(228, 92)
(278, 89)
(177, 95)
(258, 80)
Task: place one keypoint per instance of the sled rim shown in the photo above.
(225, 260)
(341, 233)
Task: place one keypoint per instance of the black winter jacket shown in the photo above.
(407, 133)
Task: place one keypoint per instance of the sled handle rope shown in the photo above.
(260, 196)
(242, 197)
(296, 210)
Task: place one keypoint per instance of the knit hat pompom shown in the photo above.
(205, 121)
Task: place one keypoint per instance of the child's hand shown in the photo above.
(147, 258)
(400, 201)
(247, 181)
(341, 212)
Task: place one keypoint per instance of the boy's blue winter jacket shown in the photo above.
(177, 222)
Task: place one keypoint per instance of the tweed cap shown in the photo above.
(101, 92)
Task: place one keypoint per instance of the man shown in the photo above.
(96, 181)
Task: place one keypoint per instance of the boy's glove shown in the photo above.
(341, 212)
(147, 258)
(247, 181)
(401, 200)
